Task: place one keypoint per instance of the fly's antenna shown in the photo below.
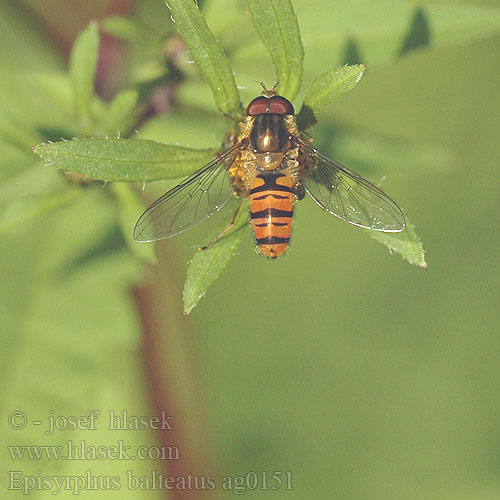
(266, 92)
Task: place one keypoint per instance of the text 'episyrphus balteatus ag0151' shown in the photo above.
(271, 165)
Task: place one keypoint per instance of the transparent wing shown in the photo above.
(190, 202)
(348, 196)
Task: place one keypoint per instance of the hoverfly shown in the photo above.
(270, 164)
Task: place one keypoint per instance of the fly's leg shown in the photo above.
(231, 224)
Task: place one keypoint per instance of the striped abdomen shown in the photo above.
(271, 210)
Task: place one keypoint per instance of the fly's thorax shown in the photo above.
(291, 124)
(269, 139)
(269, 134)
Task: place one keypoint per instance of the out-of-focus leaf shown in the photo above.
(206, 265)
(227, 23)
(57, 87)
(24, 46)
(325, 89)
(31, 194)
(13, 160)
(186, 129)
(130, 208)
(14, 131)
(207, 54)
(276, 24)
(155, 17)
(82, 68)
(58, 337)
(145, 71)
(375, 155)
(381, 30)
(196, 94)
(374, 32)
(99, 109)
(120, 114)
(419, 33)
(124, 160)
(32, 182)
(22, 211)
(406, 243)
(123, 28)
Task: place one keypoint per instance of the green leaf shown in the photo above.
(376, 155)
(206, 265)
(13, 161)
(70, 345)
(58, 88)
(17, 133)
(419, 33)
(185, 128)
(120, 114)
(82, 68)
(125, 160)
(325, 89)
(24, 46)
(381, 31)
(23, 210)
(123, 28)
(130, 208)
(406, 243)
(372, 33)
(207, 54)
(277, 26)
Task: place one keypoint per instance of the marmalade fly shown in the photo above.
(270, 164)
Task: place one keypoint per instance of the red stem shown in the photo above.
(171, 379)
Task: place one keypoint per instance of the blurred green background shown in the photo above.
(365, 377)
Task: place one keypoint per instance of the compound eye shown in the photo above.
(280, 106)
(258, 106)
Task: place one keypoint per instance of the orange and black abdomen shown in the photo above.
(271, 210)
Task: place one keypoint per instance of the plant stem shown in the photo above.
(171, 374)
